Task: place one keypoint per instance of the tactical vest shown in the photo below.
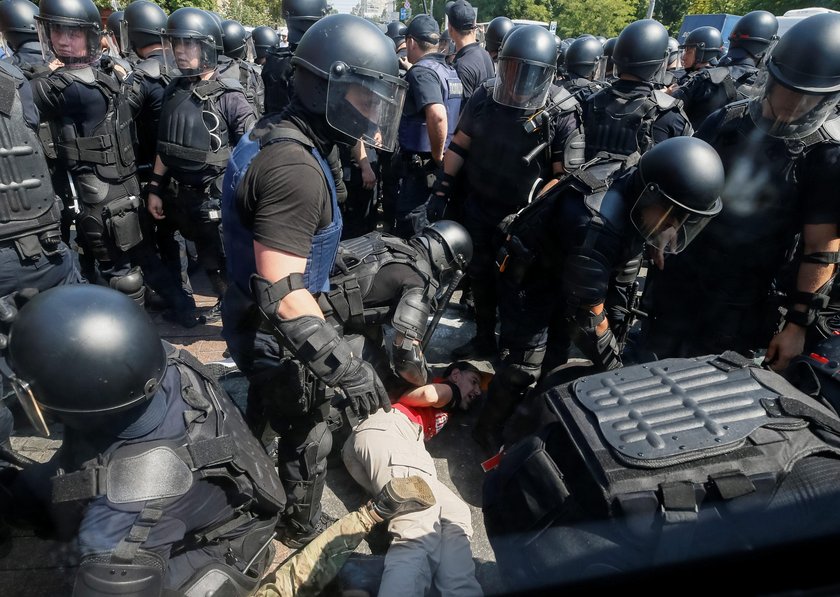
(28, 205)
(724, 91)
(581, 88)
(496, 169)
(413, 133)
(147, 476)
(110, 149)
(193, 133)
(618, 125)
(744, 76)
(648, 457)
(356, 265)
(151, 69)
(239, 239)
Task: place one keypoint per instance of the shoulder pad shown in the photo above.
(831, 128)
(665, 101)
(150, 68)
(564, 100)
(11, 70)
(141, 472)
(231, 85)
(718, 74)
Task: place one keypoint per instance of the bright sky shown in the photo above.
(344, 5)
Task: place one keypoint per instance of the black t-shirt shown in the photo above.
(423, 87)
(474, 66)
(284, 198)
(390, 283)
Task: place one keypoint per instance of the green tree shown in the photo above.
(598, 17)
(255, 12)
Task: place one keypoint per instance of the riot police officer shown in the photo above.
(704, 88)
(749, 41)
(581, 62)
(277, 71)
(379, 278)
(191, 500)
(115, 61)
(779, 151)
(429, 118)
(282, 230)
(507, 157)
(496, 31)
(609, 65)
(90, 126)
(565, 253)
(396, 31)
(202, 118)
(264, 39)
(625, 120)
(235, 39)
(32, 254)
(17, 26)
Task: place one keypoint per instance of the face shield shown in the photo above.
(188, 56)
(787, 113)
(125, 44)
(114, 48)
(4, 46)
(75, 45)
(522, 84)
(365, 104)
(601, 68)
(666, 224)
(250, 50)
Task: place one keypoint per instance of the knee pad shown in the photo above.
(521, 368)
(98, 576)
(92, 230)
(218, 578)
(130, 284)
(317, 448)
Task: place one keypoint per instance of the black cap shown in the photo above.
(424, 28)
(461, 15)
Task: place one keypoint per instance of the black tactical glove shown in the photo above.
(317, 345)
(363, 389)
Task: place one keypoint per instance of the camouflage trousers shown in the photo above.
(314, 566)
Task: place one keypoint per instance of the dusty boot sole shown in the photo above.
(412, 489)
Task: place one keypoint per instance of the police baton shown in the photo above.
(444, 300)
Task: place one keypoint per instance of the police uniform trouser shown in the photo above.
(282, 390)
(432, 547)
(414, 192)
(43, 272)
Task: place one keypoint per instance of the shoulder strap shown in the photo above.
(285, 134)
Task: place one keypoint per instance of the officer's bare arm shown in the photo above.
(436, 125)
(274, 265)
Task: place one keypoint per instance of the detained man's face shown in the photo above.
(469, 383)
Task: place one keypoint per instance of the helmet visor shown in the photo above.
(188, 56)
(788, 113)
(664, 223)
(522, 84)
(365, 104)
(4, 45)
(74, 45)
(125, 43)
(601, 68)
(250, 51)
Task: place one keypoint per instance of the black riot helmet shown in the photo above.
(112, 23)
(609, 48)
(707, 44)
(526, 66)
(192, 42)
(601, 39)
(70, 31)
(82, 352)
(496, 31)
(641, 50)
(234, 37)
(674, 51)
(396, 31)
(681, 180)
(353, 80)
(17, 22)
(301, 14)
(265, 39)
(583, 57)
(448, 246)
(799, 86)
(754, 32)
(143, 24)
(562, 48)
